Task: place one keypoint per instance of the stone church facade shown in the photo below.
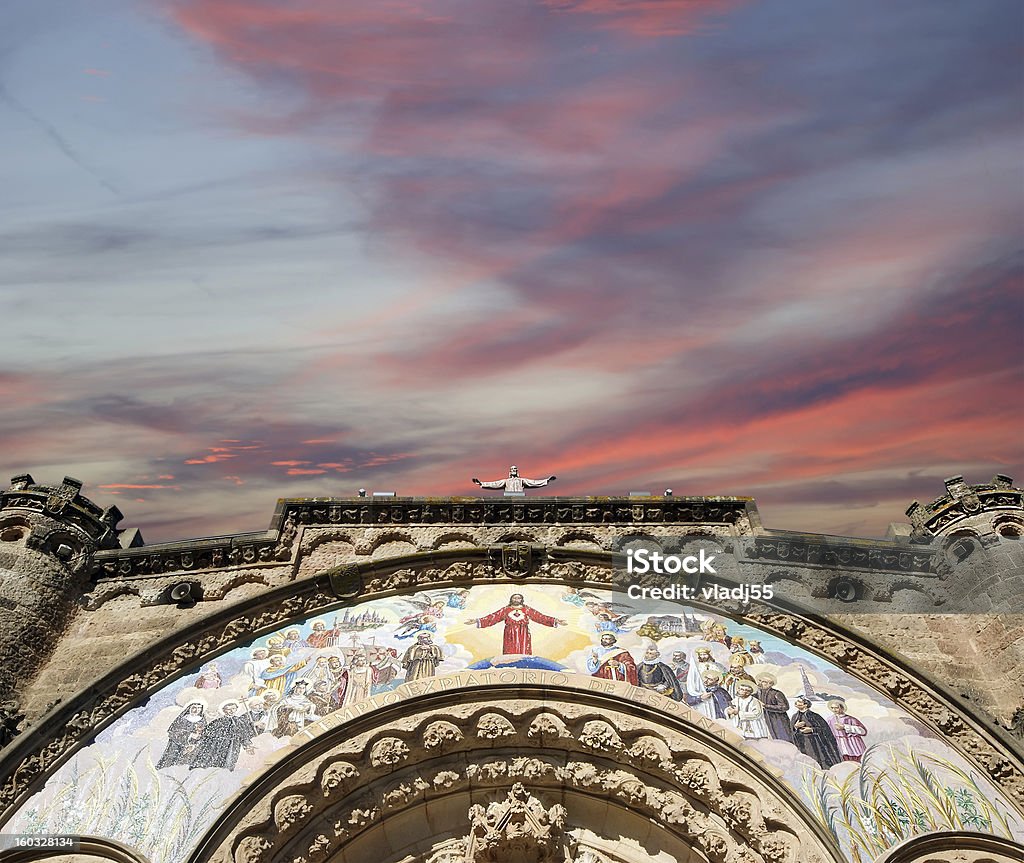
(467, 680)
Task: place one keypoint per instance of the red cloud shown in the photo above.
(135, 485)
(647, 17)
(210, 459)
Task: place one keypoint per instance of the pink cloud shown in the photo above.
(137, 485)
(295, 471)
(378, 461)
(647, 17)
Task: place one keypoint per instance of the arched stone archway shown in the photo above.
(473, 568)
(572, 768)
(89, 849)
(956, 847)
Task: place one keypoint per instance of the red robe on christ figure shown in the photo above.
(517, 616)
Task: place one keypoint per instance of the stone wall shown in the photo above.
(74, 621)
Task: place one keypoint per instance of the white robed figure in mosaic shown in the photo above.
(747, 713)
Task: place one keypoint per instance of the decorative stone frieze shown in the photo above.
(694, 781)
(735, 515)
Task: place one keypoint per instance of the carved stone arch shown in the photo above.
(325, 537)
(579, 536)
(15, 527)
(89, 849)
(1008, 526)
(387, 537)
(517, 536)
(911, 587)
(626, 770)
(956, 847)
(37, 753)
(452, 536)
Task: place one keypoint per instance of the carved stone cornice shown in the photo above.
(277, 543)
(342, 779)
(834, 552)
(28, 760)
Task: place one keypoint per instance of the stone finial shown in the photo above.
(517, 828)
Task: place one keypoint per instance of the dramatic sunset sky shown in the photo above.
(252, 249)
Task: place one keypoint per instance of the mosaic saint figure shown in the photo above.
(680, 666)
(385, 667)
(658, 676)
(257, 712)
(183, 734)
(812, 735)
(339, 680)
(514, 482)
(516, 617)
(708, 695)
(270, 700)
(748, 713)
(756, 653)
(318, 672)
(279, 676)
(322, 637)
(422, 658)
(776, 708)
(360, 679)
(292, 639)
(737, 674)
(848, 730)
(258, 663)
(320, 698)
(275, 646)
(209, 677)
(224, 739)
(738, 648)
(705, 663)
(292, 712)
(714, 631)
(611, 662)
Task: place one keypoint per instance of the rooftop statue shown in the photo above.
(514, 482)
